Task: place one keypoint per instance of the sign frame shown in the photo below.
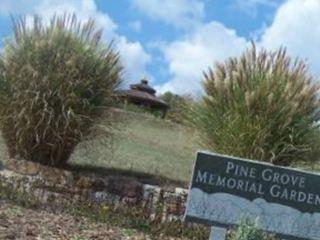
(263, 165)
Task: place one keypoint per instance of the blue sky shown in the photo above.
(172, 41)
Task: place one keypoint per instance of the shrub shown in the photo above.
(261, 106)
(130, 107)
(248, 231)
(55, 79)
(178, 106)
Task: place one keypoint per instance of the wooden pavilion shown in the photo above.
(142, 94)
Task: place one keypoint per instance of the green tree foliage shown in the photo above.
(178, 106)
(261, 106)
(55, 78)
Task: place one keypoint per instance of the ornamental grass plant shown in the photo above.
(56, 79)
(262, 105)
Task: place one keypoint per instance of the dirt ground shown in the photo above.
(18, 223)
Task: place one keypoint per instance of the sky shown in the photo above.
(171, 42)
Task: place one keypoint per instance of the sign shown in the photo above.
(224, 190)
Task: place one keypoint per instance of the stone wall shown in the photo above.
(47, 183)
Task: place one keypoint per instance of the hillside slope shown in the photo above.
(143, 144)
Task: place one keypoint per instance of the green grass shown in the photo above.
(143, 144)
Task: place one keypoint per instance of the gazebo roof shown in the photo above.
(143, 86)
(143, 94)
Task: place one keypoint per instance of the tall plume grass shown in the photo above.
(262, 106)
(55, 79)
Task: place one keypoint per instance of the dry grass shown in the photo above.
(21, 223)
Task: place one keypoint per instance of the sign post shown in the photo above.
(225, 190)
(217, 233)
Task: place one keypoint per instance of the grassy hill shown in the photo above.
(144, 145)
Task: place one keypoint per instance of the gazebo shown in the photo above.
(142, 94)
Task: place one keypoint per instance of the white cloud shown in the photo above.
(47, 8)
(5, 7)
(296, 26)
(251, 6)
(84, 9)
(135, 25)
(199, 50)
(255, 3)
(8, 7)
(135, 59)
(133, 55)
(179, 13)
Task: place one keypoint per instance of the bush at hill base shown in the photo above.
(178, 106)
(261, 105)
(55, 77)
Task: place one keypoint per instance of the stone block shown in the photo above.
(105, 197)
(22, 166)
(52, 185)
(125, 187)
(56, 176)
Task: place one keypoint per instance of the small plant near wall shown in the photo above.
(55, 79)
(249, 231)
(261, 105)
